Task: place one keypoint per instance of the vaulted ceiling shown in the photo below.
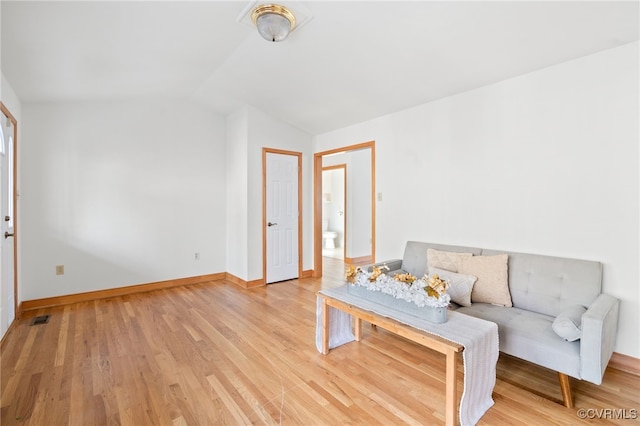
(352, 61)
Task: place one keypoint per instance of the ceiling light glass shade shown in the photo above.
(274, 22)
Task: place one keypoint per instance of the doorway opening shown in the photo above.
(359, 204)
(334, 204)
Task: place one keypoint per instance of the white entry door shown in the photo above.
(7, 293)
(281, 198)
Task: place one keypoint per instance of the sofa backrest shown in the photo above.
(549, 285)
(414, 260)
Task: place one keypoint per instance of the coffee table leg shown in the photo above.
(451, 415)
(325, 327)
(357, 326)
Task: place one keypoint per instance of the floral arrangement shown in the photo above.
(352, 273)
(405, 278)
(377, 272)
(436, 286)
(426, 291)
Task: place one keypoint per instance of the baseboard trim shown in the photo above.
(47, 302)
(29, 305)
(19, 311)
(242, 283)
(255, 283)
(307, 274)
(361, 259)
(625, 363)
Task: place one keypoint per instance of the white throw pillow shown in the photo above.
(568, 324)
(460, 285)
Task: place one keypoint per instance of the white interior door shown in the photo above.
(7, 293)
(281, 208)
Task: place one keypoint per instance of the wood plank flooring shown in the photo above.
(217, 354)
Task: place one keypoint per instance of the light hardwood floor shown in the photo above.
(214, 353)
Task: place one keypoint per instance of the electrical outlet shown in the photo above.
(197, 256)
(59, 269)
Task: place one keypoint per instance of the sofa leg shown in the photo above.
(565, 387)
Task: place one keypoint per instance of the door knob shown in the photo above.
(271, 224)
(7, 235)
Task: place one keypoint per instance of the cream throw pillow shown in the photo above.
(460, 285)
(493, 279)
(447, 260)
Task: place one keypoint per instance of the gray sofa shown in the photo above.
(541, 288)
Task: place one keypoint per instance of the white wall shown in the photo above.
(359, 204)
(120, 194)
(236, 194)
(544, 163)
(126, 193)
(10, 99)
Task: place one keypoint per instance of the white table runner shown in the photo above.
(479, 338)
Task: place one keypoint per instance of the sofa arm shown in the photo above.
(599, 329)
(393, 265)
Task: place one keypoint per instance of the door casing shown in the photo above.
(5, 111)
(317, 201)
(265, 151)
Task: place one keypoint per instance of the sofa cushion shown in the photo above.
(447, 260)
(568, 324)
(460, 285)
(492, 285)
(529, 335)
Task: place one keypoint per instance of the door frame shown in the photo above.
(317, 201)
(344, 203)
(5, 111)
(266, 151)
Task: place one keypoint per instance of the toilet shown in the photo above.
(329, 237)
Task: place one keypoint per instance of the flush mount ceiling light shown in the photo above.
(274, 22)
